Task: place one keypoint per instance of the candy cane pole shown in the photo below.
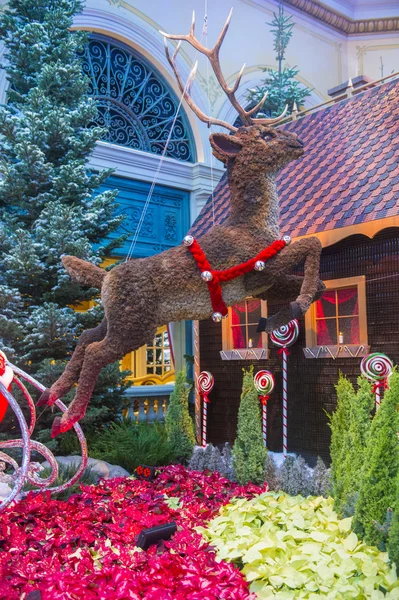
(377, 367)
(284, 337)
(285, 402)
(264, 384)
(205, 383)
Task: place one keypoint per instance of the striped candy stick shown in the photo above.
(377, 367)
(264, 384)
(284, 337)
(205, 384)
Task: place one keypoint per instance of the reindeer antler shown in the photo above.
(213, 55)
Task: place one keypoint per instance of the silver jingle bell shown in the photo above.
(188, 240)
(206, 276)
(259, 265)
(217, 317)
(287, 240)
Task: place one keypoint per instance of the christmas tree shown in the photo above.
(280, 83)
(249, 452)
(48, 198)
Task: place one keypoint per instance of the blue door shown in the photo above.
(166, 219)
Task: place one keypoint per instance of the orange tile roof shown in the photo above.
(349, 173)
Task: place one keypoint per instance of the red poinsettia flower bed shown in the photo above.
(85, 548)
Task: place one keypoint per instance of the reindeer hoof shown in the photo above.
(296, 310)
(56, 428)
(44, 398)
(261, 325)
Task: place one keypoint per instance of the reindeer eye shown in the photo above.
(267, 137)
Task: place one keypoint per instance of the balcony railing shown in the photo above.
(147, 403)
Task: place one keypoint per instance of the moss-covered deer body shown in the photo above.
(143, 294)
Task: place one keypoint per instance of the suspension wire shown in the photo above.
(155, 178)
(205, 34)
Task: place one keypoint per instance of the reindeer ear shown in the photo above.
(224, 146)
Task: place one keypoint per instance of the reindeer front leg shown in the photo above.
(309, 250)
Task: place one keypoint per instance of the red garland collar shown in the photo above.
(215, 278)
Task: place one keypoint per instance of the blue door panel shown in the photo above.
(166, 219)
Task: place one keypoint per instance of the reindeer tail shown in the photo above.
(84, 272)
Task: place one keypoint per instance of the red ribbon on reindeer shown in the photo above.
(6, 377)
(205, 384)
(214, 278)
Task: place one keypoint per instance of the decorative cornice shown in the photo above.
(344, 24)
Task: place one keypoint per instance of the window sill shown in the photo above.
(341, 351)
(245, 354)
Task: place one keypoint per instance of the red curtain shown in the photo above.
(323, 334)
(239, 337)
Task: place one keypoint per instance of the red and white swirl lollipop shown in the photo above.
(285, 336)
(377, 367)
(264, 384)
(205, 384)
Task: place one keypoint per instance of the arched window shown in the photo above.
(135, 105)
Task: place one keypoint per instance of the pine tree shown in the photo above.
(249, 452)
(48, 198)
(339, 446)
(281, 85)
(393, 541)
(378, 479)
(178, 423)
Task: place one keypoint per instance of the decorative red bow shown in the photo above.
(264, 399)
(283, 350)
(205, 398)
(380, 384)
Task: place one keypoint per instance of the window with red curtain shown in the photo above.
(337, 317)
(244, 318)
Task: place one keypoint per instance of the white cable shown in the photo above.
(155, 179)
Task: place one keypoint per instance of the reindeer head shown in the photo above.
(254, 145)
(258, 146)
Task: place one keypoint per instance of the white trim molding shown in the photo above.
(198, 178)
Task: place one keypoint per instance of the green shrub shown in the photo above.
(129, 445)
(378, 479)
(357, 435)
(393, 542)
(65, 473)
(339, 424)
(350, 426)
(249, 452)
(178, 423)
(291, 547)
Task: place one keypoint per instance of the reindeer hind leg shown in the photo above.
(71, 373)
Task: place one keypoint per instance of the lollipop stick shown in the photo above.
(264, 423)
(377, 397)
(204, 415)
(285, 411)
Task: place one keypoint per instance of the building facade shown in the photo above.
(344, 191)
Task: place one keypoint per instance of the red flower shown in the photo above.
(85, 548)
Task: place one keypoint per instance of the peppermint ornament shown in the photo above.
(377, 367)
(264, 384)
(205, 384)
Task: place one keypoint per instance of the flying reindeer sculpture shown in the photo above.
(243, 257)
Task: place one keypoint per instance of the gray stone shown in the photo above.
(5, 490)
(103, 468)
